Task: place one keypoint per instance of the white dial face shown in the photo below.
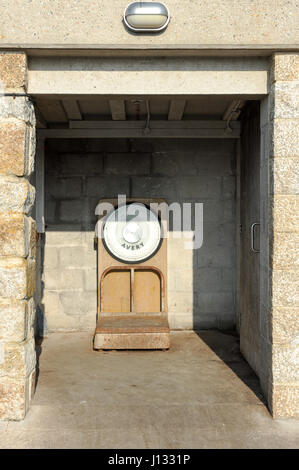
(132, 233)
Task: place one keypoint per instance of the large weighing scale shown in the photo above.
(132, 277)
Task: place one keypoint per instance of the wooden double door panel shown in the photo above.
(131, 290)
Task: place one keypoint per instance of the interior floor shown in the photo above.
(199, 394)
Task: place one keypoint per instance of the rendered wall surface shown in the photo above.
(203, 24)
(201, 283)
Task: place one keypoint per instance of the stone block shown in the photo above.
(285, 213)
(31, 230)
(16, 194)
(107, 186)
(284, 138)
(86, 322)
(31, 311)
(19, 359)
(64, 235)
(90, 280)
(75, 146)
(71, 210)
(15, 396)
(199, 187)
(216, 163)
(285, 400)
(20, 108)
(13, 71)
(284, 67)
(73, 164)
(170, 163)
(14, 236)
(134, 145)
(285, 176)
(160, 187)
(208, 280)
(17, 235)
(179, 321)
(68, 279)
(218, 211)
(127, 164)
(205, 321)
(72, 279)
(285, 289)
(63, 188)
(178, 255)
(184, 280)
(31, 276)
(88, 239)
(17, 277)
(285, 359)
(220, 256)
(171, 279)
(285, 325)
(218, 234)
(92, 163)
(55, 317)
(13, 320)
(216, 302)
(13, 148)
(108, 145)
(181, 302)
(201, 147)
(284, 100)
(285, 250)
(77, 257)
(78, 303)
(50, 257)
(59, 321)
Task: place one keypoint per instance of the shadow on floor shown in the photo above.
(226, 345)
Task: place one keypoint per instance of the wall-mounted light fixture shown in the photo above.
(146, 16)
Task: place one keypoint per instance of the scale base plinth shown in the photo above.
(133, 331)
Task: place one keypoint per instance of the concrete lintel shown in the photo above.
(150, 76)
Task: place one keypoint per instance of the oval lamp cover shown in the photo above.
(146, 16)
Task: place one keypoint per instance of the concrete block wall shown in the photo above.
(201, 292)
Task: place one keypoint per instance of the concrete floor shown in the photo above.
(199, 394)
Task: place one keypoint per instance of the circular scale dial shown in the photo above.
(132, 233)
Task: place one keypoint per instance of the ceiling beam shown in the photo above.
(193, 124)
(72, 109)
(118, 110)
(176, 110)
(136, 129)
